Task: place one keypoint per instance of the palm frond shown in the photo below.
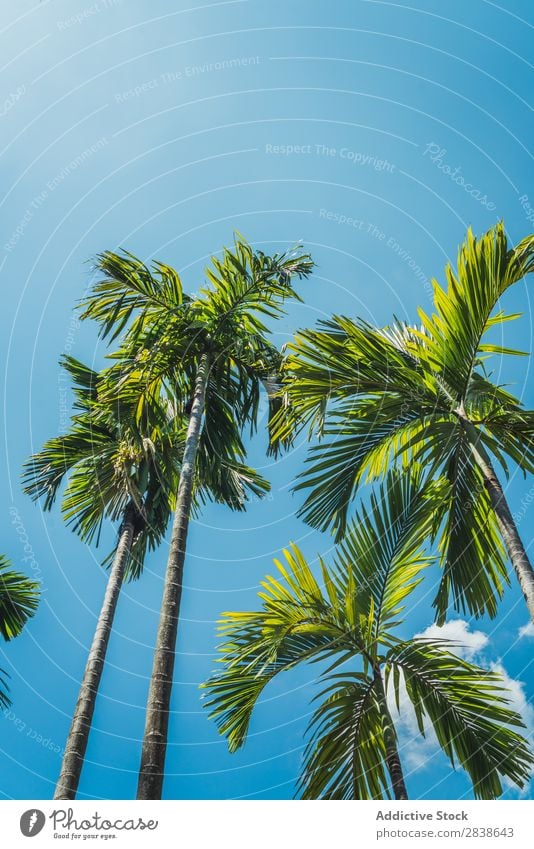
(44, 472)
(472, 553)
(383, 553)
(513, 431)
(362, 439)
(222, 475)
(127, 286)
(469, 711)
(19, 597)
(85, 382)
(295, 625)
(247, 284)
(344, 359)
(454, 333)
(345, 754)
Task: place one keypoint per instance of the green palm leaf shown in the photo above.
(19, 598)
(345, 754)
(383, 553)
(361, 442)
(486, 268)
(469, 711)
(247, 284)
(129, 286)
(472, 554)
(295, 625)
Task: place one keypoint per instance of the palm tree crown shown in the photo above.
(169, 331)
(374, 395)
(110, 464)
(115, 457)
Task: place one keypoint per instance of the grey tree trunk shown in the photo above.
(515, 548)
(390, 739)
(78, 736)
(151, 771)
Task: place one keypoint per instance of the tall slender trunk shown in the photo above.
(515, 548)
(390, 740)
(159, 695)
(78, 736)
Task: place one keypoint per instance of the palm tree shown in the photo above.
(377, 394)
(211, 355)
(348, 621)
(115, 472)
(19, 598)
(125, 471)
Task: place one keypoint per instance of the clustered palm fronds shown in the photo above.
(378, 395)
(375, 399)
(161, 431)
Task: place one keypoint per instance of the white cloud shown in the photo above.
(469, 643)
(526, 630)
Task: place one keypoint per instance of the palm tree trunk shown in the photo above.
(159, 695)
(514, 546)
(78, 736)
(390, 740)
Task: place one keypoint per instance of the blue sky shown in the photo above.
(374, 132)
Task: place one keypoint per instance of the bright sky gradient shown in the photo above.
(160, 127)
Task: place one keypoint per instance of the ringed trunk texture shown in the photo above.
(151, 771)
(514, 546)
(390, 740)
(78, 736)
